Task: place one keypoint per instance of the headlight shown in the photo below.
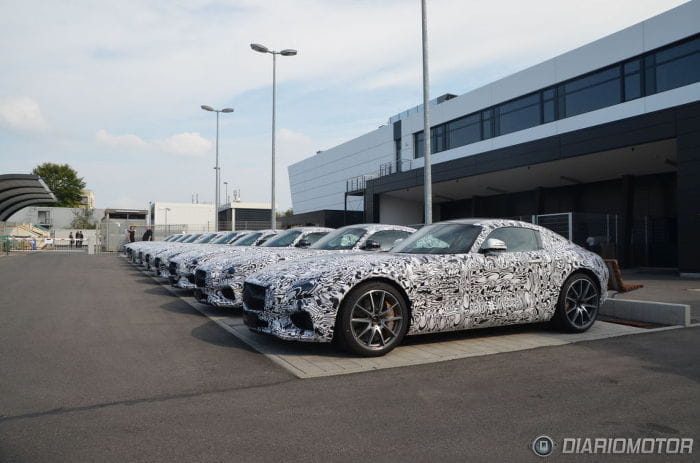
(302, 289)
(230, 271)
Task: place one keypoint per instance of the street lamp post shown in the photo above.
(286, 52)
(226, 192)
(216, 168)
(427, 179)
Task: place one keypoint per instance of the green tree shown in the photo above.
(286, 213)
(83, 219)
(63, 181)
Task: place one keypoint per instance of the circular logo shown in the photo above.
(543, 446)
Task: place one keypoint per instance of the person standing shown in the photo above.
(132, 234)
(147, 235)
(79, 239)
(71, 240)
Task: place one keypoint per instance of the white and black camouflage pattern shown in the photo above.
(226, 274)
(187, 262)
(444, 291)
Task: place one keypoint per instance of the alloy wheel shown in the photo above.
(376, 319)
(581, 302)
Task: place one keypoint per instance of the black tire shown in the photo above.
(372, 320)
(578, 304)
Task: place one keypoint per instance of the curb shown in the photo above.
(661, 313)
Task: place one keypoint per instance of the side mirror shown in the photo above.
(493, 245)
(371, 245)
(303, 243)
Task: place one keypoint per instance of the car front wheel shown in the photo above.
(578, 303)
(373, 319)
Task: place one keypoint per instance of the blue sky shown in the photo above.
(113, 88)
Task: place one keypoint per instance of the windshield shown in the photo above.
(313, 237)
(181, 238)
(248, 239)
(225, 238)
(343, 238)
(191, 238)
(207, 238)
(447, 238)
(284, 240)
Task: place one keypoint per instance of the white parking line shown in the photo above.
(310, 360)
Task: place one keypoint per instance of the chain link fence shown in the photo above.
(112, 236)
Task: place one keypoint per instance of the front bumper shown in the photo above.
(292, 320)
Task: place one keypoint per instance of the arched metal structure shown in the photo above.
(21, 190)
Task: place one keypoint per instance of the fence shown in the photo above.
(14, 244)
(111, 236)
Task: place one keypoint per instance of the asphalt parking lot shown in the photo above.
(99, 362)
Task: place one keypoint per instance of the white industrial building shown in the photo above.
(610, 127)
(195, 216)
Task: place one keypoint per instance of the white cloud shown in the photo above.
(181, 144)
(185, 144)
(22, 114)
(127, 141)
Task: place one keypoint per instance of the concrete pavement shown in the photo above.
(98, 363)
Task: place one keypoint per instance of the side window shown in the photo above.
(517, 239)
(387, 238)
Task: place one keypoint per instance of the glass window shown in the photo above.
(463, 131)
(418, 145)
(283, 240)
(313, 237)
(225, 238)
(678, 66)
(343, 238)
(632, 66)
(548, 111)
(387, 238)
(517, 239)
(633, 86)
(248, 239)
(487, 124)
(593, 91)
(519, 114)
(192, 238)
(206, 238)
(438, 139)
(446, 238)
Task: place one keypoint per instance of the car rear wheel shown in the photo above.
(373, 319)
(578, 303)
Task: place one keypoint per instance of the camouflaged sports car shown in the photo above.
(220, 280)
(452, 275)
(182, 266)
(161, 262)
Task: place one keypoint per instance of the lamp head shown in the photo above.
(288, 52)
(227, 110)
(207, 108)
(259, 48)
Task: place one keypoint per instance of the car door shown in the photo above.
(503, 285)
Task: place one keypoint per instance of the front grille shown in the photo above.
(156, 262)
(173, 268)
(190, 278)
(254, 296)
(200, 278)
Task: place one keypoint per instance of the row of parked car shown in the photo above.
(367, 286)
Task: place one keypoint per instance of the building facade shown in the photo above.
(609, 131)
(239, 215)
